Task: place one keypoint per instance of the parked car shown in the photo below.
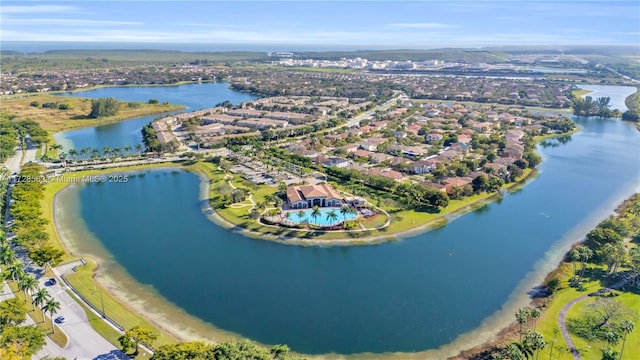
(52, 281)
(61, 319)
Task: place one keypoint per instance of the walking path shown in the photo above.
(236, 206)
(562, 317)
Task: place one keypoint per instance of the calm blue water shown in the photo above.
(411, 295)
(193, 96)
(321, 220)
(617, 94)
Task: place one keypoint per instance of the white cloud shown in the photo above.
(66, 22)
(214, 36)
(429, 25)
(37, 9)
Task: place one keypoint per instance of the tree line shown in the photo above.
(17, 340)
(589, 107)
(232, 350)
(28, 223)
(14, 132)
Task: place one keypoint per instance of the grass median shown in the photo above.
(82, 280)
(42, 320)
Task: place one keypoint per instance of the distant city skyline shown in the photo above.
(373, 24)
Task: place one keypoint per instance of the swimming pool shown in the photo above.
(321, 220)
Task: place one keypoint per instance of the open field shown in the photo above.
(633, 101)
(54, 120)
(580, 92)
(101, 59)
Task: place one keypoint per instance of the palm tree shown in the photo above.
(344, 211)
(85, 151)
(585, 255)
(57, 148)
(627, 327)
(117, 152)
(52, 307)
(128, 150)
(139, 149)
(16, 270)
(332, 217)
(27, 284)
(73, 153)
(315, 213)
(574, 256)
(513, 352)
(535, 314)
(535, 341)
(40, 298)
(106, 151)
(287, 216)
(522, 316)
(301, 214)
(95, 153)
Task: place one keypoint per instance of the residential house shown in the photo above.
(337, 162)
(388, 173)
(424, 166)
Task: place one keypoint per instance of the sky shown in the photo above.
(383, 24)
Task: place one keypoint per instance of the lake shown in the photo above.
(617, 94)
(441, 287)
(121, 134)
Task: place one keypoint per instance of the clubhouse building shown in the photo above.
(307, 196)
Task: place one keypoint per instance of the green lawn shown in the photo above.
(548, 322)
(590, 350)
(580, 92)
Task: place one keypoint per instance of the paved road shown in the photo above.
(13, 163)
(562, 317)
(84, 342)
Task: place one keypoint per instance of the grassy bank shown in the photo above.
(633, 101)
(82, 280)
(580, 92)
(54, 119)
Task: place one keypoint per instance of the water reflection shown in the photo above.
(555, 142)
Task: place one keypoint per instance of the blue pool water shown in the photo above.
(321, 220)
